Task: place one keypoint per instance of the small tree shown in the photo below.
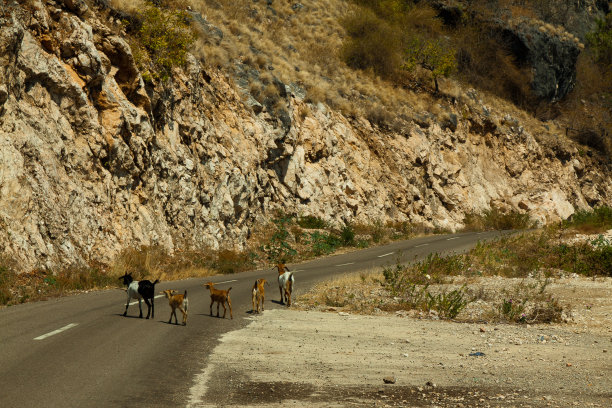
(431, 55)
(164, 37)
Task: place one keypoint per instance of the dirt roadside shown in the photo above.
(328, 359)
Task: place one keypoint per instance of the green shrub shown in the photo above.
(164, 37)
(412, 285)
(448, 304)
(323, 243)
(347, 235)
(600, 40)
(311, 222)
(598, 219)
(278, 249)
(495, 219)
(529, 303)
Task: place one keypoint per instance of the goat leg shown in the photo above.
(127, 304)
(140, 307)
(148, 307)
(184, 312)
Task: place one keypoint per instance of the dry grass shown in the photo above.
(462, 299)
(302, 46)
(357, 293)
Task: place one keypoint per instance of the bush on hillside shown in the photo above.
(496, 219)
(371, 44)
(432, 55)
(600, 40)
(163, 39)
(598, 219)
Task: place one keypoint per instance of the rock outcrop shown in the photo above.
(91, 163)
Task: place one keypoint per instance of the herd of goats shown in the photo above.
(145, 290)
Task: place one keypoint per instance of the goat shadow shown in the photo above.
(214, 316)
(144, 317)
(278, 302)
(171, 324)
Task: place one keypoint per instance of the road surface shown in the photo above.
(79, 351)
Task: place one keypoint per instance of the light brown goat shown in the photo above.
(259, 294)
(219, 296)
(179, 302)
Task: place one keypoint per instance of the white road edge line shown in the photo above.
(382, 256)
(136, 302)
(450, 239)
(422, 245)
(54, 332)
(345, 264)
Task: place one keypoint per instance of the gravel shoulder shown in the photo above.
(312, 358)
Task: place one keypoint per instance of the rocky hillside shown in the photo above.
(93, 161)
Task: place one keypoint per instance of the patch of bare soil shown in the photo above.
(338, 359)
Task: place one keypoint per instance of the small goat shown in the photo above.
(259, 294)
(140, 290)
(179, 302)
(219, 296)
(285, 283)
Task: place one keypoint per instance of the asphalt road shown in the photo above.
(79, 351)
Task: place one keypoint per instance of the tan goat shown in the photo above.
(259, 294)
(219, 296)
(179, 302)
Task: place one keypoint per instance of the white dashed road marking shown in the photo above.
(233, 280)
(345, 264)
(382, 256)
(54, 332)
(422, 245)
(450, 239)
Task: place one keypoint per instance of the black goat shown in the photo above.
(140, 290)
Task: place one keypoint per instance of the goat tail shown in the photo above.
(156, 282)
(185, 296)
(229, 289)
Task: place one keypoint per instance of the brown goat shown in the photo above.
(259, 294)
(177, 302)
(219, 296)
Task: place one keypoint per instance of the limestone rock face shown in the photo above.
(91, 162)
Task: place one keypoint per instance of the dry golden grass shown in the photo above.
(154, 262)
(356, 292)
